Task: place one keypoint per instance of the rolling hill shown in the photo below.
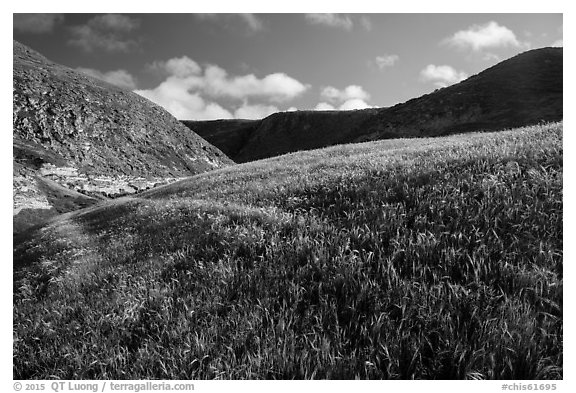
(92, 138)
(525, 89)
(428, 258)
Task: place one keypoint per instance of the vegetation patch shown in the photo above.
(423, 258)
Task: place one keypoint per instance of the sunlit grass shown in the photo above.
(421, 258)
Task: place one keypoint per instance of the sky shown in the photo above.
(214, 66)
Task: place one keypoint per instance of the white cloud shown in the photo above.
(36, 23)
(178, 66)
(333, 95)
(175, 96)
(489, 35)
(324, 106)
(190, 92)
(355, 103)
(386, 60)
(558, 43)
(108, 32)
(351, 97)
(332, 20)
(351, 104)
(252, 21)
(291, 109)
(120, 78)
(216, 82)
(276, 87)
(254, 112)
(442, 76)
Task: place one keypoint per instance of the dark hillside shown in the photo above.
(525, 89)
(229, 135)
(285, 132)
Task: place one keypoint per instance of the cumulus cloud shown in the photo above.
(324, 106)
(175, 95)
(120, 78)
(351, 97)
(37, 23)
(442, 75)
(333, 95)
(354, 103)
(386, 60)
(190, 91)
(178, 66)
(252, 21)
(479, 37)
(110, 32)
(276, 87)
(332, 20)
(253, 112)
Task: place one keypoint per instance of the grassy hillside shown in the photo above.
(419, 258)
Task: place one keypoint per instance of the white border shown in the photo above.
(296, 6)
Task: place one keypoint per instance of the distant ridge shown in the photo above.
(91, 137)
(525, 89)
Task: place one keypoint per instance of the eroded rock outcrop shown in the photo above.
(92, 137)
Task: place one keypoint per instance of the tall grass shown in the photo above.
(431, 258)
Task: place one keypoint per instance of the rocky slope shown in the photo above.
(91, 137)
(525, 89)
